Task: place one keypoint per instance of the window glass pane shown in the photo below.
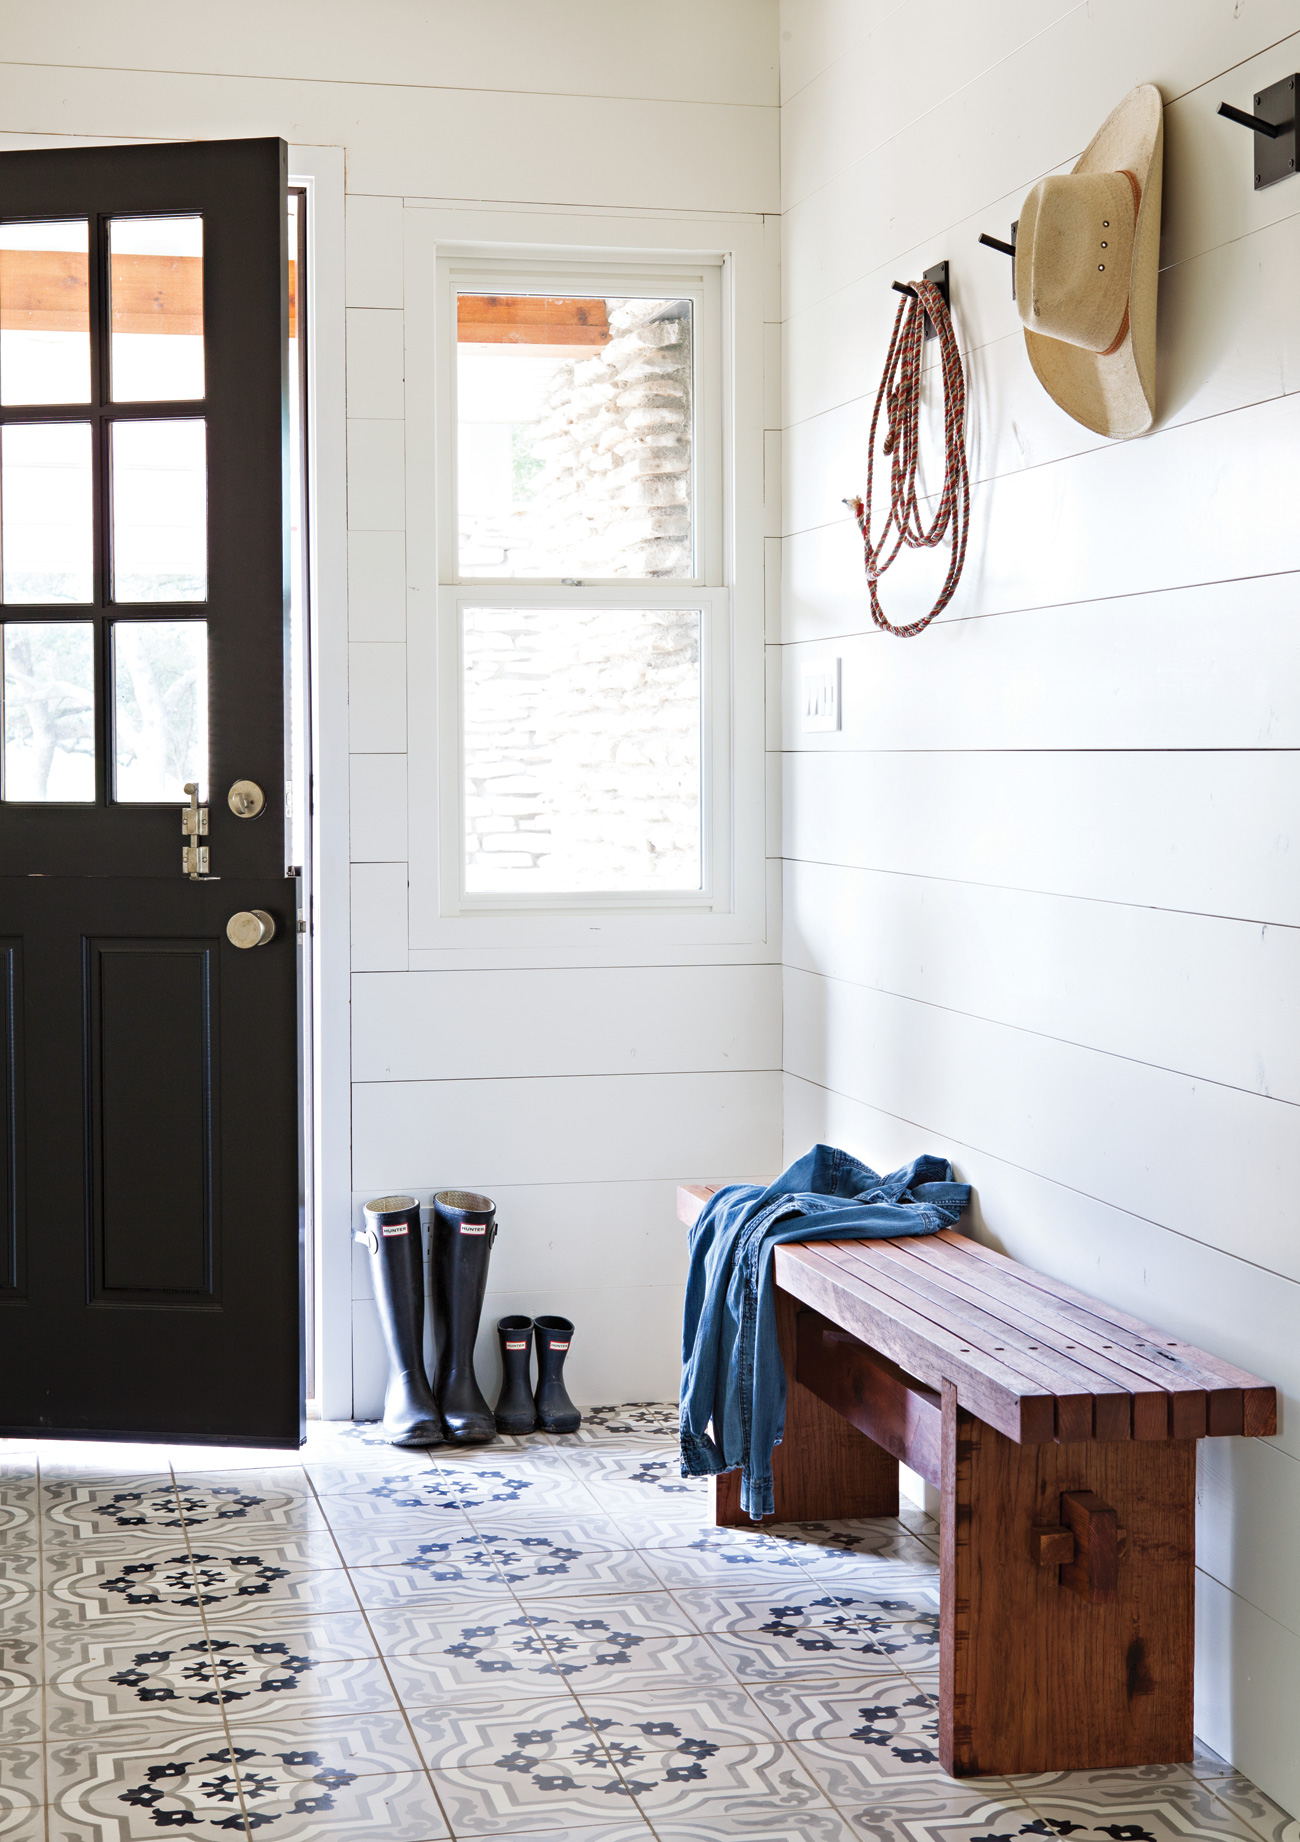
(581, 749)
(156, 294)
(49, 710)
(45, 313)
(160, 511)
(574, 436)
(160, 709)
(46, 512)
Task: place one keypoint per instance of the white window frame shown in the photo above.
(449, 251)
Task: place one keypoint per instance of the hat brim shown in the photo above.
(1115, 394)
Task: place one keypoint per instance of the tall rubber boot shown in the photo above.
(515, 1410)
(392, 1233)
(464, 1228)
(556, 1413)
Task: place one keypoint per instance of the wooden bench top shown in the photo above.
(1028, 1355)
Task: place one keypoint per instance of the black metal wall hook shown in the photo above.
(1007, 249)
(1274, 127)
(939, 276)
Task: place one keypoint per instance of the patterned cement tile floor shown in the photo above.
(539, 1638)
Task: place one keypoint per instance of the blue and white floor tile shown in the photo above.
(540, 1638)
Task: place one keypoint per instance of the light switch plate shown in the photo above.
(821, 695)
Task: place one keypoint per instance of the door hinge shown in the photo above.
(194, 825)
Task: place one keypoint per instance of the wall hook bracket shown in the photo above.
(1274, 127)
(1007, 249)
(939, 276)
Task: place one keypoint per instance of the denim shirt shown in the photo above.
(732, 1372)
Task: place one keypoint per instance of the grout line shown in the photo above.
(383, 1660)
(44, 1697)
(212, 1660)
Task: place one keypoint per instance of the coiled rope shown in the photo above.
(900, 396)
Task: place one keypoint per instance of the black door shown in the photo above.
(149, 1139)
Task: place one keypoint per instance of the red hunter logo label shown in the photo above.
(517, 1346)
(473, 1227)
(394, 1228)
(559, 1346)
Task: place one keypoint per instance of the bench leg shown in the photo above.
(824, 1469)
(1040, 1673)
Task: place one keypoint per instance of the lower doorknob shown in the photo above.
(251, 927)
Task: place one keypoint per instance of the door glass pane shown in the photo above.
(46, 512)
(160, 511)
(49, 710)
(160, 709)
(581, 749)
(45, 313)
(156, 295)
(574, 436)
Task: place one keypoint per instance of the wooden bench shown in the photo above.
(1062, 1435)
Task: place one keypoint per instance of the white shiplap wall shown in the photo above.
(578, 1094)
(1042, 901)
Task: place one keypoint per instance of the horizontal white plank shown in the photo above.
(1239, 1311)
(375, 362)
(1223, 345)
(1212, 1163)
(626, 1344)
(581, 1129)
(377, 585)
(1216, 999)
(464, 144)
(1108, 522)
(562, 1234)
(642, 1020)
(949, 163)
(1253, 1554)
(1185, 668)
(373, 252)
(1247, 1666)
(1210, 833)
(815, 33)
(876, 86)
(566, 46)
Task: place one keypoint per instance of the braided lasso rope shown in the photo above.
(900, 396)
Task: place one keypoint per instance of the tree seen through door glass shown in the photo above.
(156, 308)
(160, 709)
(574, 436)
(45, 313)
(160, 510)
(46, 512)
(581, 750)
(49, 711)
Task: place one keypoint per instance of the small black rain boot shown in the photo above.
(556, 1413)
(464, 1228)
(515, 1410)
(392, 1234)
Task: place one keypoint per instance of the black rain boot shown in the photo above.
(515, 1410)
(464, 1228)
(556, 1413)
(392, 1233)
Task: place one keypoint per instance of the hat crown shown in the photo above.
(1074, 257)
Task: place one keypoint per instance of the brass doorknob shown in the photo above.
(251, 927)
(246, 799)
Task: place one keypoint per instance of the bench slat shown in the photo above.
(1030, 1310)
(986, 1386)
(1235, 1397)
(1089, 1405)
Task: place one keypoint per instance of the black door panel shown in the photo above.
(150, 1236)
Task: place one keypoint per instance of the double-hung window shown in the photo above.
(584, 613)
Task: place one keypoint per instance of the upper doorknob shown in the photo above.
(246, 799)
(251, 927)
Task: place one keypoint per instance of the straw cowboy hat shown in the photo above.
(1087, 260)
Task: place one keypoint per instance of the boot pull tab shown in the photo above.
(368, 1238)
